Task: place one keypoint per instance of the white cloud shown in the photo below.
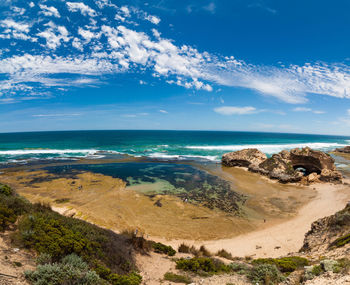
(84, 9)
(56, 115)
(50, 11)
(211, 7)
(88, 35)
(54, 35)
(18, 26)
(153, 19)
(129, 49)
(233, 110)
(304, 109)
(163, 111)
(31, 4)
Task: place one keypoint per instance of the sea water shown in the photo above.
(167, 145)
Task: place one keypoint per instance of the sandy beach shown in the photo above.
(286, 236)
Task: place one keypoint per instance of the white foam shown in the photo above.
(182, 157)
(46, 151)
(267, 148)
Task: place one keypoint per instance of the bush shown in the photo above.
(204, 251)
(223, 253)
(202, 264)
(130, 279)
(7, 217)
(339, 242)
(285, 264)
(71, 270)
(5, 190)
(162, 248)
(317, 270)
(44, 258)
(240, 268)
(267, 274)
(48, 235)
(184, 248)
(11, 206)
(177, 278)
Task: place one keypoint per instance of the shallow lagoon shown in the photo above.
(184, 181)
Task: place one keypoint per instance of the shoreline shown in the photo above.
(279, 238)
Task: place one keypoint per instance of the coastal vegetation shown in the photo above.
(284, 264)
(64, 243)
(177, 278)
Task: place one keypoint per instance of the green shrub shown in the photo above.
(169, 276)
(267, 274)
(162, 248)
(284, 264)
(130, 279)
(240, 268)
(44, 258)
(317, 270)
(71, 270)
(7, 217)
(5, 190)
(339, 242)
(48, 235)
(202, 264)
(11, 206)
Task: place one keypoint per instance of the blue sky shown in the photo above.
(281, 66)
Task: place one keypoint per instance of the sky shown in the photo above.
(240, 65)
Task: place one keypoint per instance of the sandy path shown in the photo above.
(285, 237)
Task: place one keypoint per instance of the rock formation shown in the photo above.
(329, 234)
(287, 166)
(244, 157)
(344, 149)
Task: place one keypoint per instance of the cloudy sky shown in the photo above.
(281, 66)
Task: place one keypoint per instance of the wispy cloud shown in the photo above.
(263, 7)
(304, 109)
(163, 111)
(233, 110)
(57, 115)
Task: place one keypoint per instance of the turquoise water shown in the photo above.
(178, 145)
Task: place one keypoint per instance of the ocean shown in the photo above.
(167, 145)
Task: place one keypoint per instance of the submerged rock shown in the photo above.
(245, 157)
(287, 166)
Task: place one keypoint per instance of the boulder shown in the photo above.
(313, 177)
(244, 158)
(330, 175)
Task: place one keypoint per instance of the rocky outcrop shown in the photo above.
(245, 157)
(287, 166)
(330, 235)
(344, 149)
